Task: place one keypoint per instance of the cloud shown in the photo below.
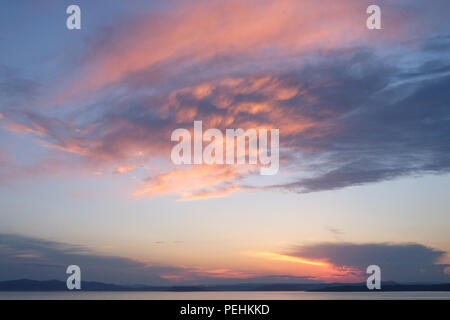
(335, 231)
(196, 182)
(16, 89)
(373, 126)
(410, 262)
(195, 32)
(347, 119)
(40, 259)
(351, 110)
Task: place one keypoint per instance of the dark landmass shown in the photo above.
(389, 287)
(57, 285)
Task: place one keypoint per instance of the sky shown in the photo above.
(86, 118)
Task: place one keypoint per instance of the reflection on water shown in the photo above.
(229, 295)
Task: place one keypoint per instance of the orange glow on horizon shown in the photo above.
(283, 257)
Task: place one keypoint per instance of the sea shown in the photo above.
(223, 295)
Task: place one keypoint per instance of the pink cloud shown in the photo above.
(199, 31)
(230, 64)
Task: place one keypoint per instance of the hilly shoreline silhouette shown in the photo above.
(58, 285)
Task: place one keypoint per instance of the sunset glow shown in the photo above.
(359, 116)
(283, 257)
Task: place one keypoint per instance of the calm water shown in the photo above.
(261, 295)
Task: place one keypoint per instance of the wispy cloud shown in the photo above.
(351, 110)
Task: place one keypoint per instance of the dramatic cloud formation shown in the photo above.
(35, 258)
(40, 259)
(399, 262)
(86, 118)
(196, 32)
(353, 107)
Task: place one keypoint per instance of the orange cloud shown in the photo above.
(300, 266)
(235, 102)
(125, 169)
(283, 257)
(193, 183)
(266, 95)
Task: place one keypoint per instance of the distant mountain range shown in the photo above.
(57, 285)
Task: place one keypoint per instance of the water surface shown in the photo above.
(224, 295)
